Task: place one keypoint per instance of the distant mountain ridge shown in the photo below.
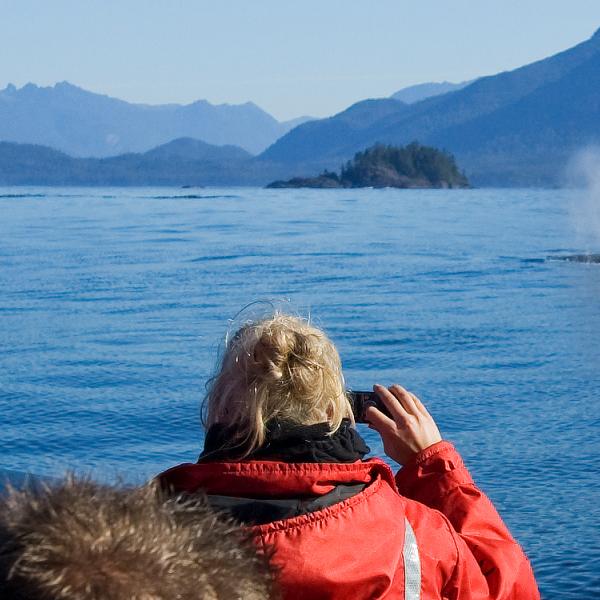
(83, 123)
(415, 93)
(183, 161)
(559, 94)
(516, 128)
(190, 149)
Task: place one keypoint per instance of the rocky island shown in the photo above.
(411, 166)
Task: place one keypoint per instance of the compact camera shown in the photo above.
(362, 400)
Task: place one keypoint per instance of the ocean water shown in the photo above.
(115, 302)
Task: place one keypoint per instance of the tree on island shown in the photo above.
(411, 166)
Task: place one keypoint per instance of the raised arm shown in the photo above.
(490, 564)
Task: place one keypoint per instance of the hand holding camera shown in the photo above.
(405, 426)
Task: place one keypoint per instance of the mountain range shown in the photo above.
(414, 93)
(82, 123)
(183, 162)
(516, 128)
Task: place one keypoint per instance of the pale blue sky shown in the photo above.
(290, 57)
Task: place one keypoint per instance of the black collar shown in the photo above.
(289, 443)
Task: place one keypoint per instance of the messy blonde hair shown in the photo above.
(278, 368)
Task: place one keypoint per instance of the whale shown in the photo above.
(578, 258)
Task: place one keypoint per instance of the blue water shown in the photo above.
(114, 303)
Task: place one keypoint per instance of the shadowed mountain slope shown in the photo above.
(180, 162)
(486, 123)
(541, 131)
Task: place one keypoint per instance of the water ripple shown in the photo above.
(114, 306)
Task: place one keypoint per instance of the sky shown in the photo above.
(292, 58)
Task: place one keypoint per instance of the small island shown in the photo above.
(411, 166)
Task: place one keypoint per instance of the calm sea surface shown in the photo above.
(115, 302)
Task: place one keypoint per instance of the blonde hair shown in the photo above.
(279, 368)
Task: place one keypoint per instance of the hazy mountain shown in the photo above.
(321, 139)
(414, 93)
(513, 128)
(180, 162)
(83, 123)
(191, 149)
(288, 125)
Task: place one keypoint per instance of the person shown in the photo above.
(282, 456)
(75, 539)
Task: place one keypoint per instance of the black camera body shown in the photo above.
(362, 400)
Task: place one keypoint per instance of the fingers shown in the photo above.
(395, 408)
(406, 398)
(411, 428)
(401, 404)
(420, 405)
(377, 420)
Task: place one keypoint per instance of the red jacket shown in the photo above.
(427, 534)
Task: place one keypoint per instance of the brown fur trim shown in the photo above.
(79, 540)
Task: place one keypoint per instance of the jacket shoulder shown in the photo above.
(357, 547)
(438, 552)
